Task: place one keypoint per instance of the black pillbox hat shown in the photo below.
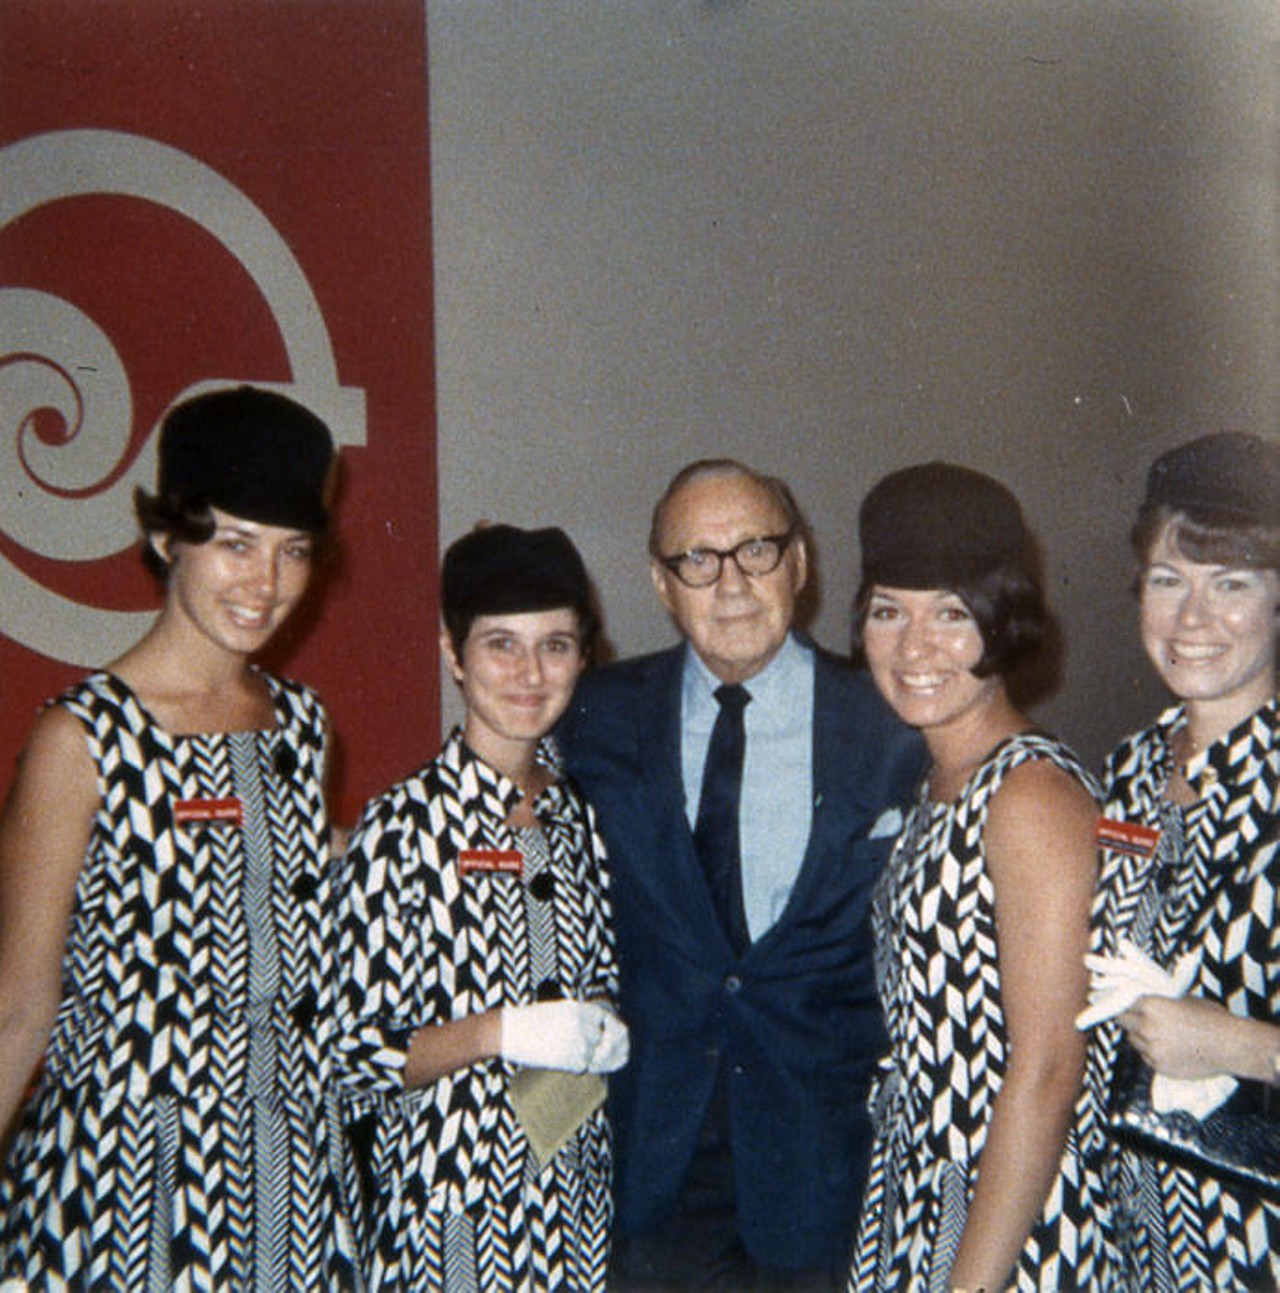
(1229, 476)
(502, 570)
(250, 452)
(938, 525)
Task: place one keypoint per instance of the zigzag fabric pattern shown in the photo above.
(936, 960)
(425, 940)
(199, 971)
(1209, 888)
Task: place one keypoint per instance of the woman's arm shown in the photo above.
(393, 976)
(44, 831)
(1042, 861)
(438, 1049)
(1193, 1038)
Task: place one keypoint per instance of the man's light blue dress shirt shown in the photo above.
(777, 780)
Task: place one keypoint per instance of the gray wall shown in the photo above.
(835, 238)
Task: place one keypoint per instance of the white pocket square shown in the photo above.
(889, 823)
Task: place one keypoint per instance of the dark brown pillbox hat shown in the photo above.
(938, 525)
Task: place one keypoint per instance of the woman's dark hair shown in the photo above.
(185, 520)
(180, 519)
(1008, 606)
(1207, 538)
(503, 569)
(1221, 492)
(458, 622)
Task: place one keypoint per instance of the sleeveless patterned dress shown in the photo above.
(434, 928)
(933, 915)
(1209, 886)
(181, 1135)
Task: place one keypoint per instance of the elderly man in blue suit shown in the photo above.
(748, 786)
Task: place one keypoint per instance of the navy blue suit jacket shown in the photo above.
(795, 1021)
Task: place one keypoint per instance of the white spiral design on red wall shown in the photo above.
(66, 409)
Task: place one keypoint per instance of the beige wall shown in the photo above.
(834, 238)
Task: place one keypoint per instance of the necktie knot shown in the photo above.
(732, 697)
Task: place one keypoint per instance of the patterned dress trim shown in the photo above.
(934, 917)
(454, 1198)
(1207, 888)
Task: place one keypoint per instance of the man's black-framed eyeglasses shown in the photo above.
(701, 567)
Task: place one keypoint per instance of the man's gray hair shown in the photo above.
(776, 488)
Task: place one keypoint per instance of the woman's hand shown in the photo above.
(577, 1036)
(1189, 1037)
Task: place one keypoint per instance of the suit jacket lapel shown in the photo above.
(838, 789)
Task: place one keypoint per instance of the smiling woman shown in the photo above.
(1193, 877)
(516, 672)
(979, 1175)
(1210, 630)
(166, 922)
(487, 1002)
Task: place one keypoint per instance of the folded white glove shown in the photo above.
(576, 1036)
(613, 1049)
(1117, 982)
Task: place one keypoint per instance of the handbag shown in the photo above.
(1239, 1141)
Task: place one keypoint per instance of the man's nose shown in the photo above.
(732, 577)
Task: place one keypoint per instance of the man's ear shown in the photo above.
(662, 577)
(800, 563)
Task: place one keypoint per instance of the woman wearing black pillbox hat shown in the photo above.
(1186, 958)
(979, 1175)
(477, 1013)
(166, 922)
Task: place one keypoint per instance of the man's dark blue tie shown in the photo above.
(716, 834)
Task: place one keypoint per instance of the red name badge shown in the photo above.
(1128, 837)
(496, 861)
(230, 811)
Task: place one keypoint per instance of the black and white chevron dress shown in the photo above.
(182, 1132)
(1208, 887)
(937, 967)
(435, 928)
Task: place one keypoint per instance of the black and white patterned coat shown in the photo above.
(1213, 896)
(426, 940)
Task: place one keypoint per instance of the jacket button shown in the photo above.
(548, 990)
(732, 984)
(305, 887)
(304, 1011)
(542, 886)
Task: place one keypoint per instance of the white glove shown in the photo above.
(576, 1036)
(1117, 982)
(613, 1049)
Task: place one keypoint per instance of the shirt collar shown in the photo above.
(770, 689)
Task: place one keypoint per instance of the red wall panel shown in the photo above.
(199, 193)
